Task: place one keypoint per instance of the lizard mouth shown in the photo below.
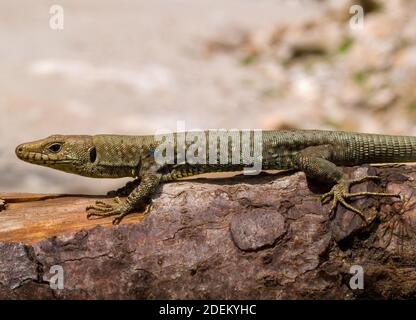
(39, 158)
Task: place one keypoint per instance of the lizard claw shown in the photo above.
(340, 192)
(104, 209)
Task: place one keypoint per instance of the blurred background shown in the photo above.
(133, 67)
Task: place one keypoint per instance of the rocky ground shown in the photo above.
(135, 67)
(334, 76)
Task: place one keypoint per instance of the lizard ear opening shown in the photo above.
(93, 154)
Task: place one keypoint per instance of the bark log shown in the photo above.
(263, 237)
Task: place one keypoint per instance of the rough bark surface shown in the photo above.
(264, 237)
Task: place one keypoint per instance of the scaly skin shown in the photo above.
(319, 154)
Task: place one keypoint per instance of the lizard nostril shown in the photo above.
(19, 150)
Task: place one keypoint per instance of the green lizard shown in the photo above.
(319, 154)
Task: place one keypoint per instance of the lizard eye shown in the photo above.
(55, 148)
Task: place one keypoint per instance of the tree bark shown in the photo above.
(263, 237)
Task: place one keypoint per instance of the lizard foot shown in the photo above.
(340, 192)
(104, 209)
(2, 205)
(119, 209)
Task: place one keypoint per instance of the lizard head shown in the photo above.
(72, 154)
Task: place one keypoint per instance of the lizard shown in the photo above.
(320, 154)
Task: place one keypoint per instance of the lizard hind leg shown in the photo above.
(316, 162)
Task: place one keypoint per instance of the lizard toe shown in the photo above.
(104, 209)
(340, 192)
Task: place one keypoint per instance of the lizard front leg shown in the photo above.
(314, 161)
(120, 208)
(126, 190)
(2, 204)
